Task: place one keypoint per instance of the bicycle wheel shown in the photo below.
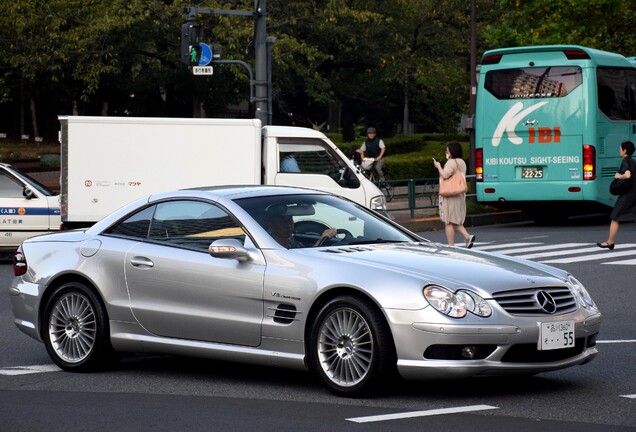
(388, 189)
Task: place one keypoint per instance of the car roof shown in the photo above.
(234, 191)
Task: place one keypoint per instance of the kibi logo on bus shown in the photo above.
(516, 114)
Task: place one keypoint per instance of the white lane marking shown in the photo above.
(629, 396)
(597, 256)
(24, 370)
(412, 414)
(506, 245)
(549, 248)
(617, 341)
(560, 253)
(623, 262)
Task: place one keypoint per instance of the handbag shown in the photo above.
(454, 185)
(622, 186)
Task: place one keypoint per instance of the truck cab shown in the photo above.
(27, 208)
(317, 163)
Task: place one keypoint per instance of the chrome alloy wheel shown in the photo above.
(72, 327)
(345, 347)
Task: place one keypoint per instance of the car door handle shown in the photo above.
(142, 262)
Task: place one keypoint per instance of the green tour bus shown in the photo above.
(548, 126)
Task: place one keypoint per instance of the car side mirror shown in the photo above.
(229, 249)
(28, 193)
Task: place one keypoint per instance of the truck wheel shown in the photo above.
(351, 348)
(75, 329)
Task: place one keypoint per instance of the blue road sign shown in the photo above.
(206, 54)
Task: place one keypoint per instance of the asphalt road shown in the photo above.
(163, 393)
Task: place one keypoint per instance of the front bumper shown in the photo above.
(453, 349)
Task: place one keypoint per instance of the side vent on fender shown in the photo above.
(284, 313)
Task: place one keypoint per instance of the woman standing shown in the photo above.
(625, 208)
(452, 209)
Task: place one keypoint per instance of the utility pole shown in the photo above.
(473, 87)
(260, 51)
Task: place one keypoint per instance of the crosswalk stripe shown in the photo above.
(508, 245)
(594, 257)
(623, 262)
(563, 253)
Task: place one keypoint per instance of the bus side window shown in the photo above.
(613, 96)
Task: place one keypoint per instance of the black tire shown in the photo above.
(354, 357)
(75, 329)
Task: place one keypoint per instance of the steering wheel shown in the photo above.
(347, 234)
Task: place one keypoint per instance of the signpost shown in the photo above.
(202, 70)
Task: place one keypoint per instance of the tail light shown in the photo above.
(589, 162)
(576, 54)
(19, 263)
(479, 164)
(491, 59)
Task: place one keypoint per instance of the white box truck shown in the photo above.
(107, 162)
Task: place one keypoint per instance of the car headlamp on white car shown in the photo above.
(581, 293)
(458, 304)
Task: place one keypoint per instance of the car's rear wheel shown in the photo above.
(75, 329)
(351, 348)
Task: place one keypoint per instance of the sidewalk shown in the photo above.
(427, 219)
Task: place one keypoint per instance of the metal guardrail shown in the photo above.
(417, 190)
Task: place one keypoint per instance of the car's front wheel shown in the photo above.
(351, 348)
(75, 329)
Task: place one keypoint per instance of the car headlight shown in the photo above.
(581, 293)
(456, 305)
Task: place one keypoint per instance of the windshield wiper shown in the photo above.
(361, 242)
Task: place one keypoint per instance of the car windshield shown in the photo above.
(305, 219)
(34, 183)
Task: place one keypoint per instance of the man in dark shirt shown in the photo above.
(374, 148)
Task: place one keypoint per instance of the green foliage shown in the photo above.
(601, 24)
(348, 64)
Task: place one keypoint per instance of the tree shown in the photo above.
(601, 24)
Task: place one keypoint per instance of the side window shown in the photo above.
(135, 226)
(192, 224)
(9, 187)
(314, 156)
(613, 93)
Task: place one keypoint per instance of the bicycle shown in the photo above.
(385, 185)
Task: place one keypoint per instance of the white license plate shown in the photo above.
(556, 335)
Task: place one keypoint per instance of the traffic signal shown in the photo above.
(190, 38)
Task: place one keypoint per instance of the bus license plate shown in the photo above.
(531, 172)
(556, 335)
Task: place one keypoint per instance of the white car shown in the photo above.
(27, 208)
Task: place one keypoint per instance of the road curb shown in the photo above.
(435, 224)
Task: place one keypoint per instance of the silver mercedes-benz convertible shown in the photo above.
(294, 278)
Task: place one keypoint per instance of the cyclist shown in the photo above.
(374, 148)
